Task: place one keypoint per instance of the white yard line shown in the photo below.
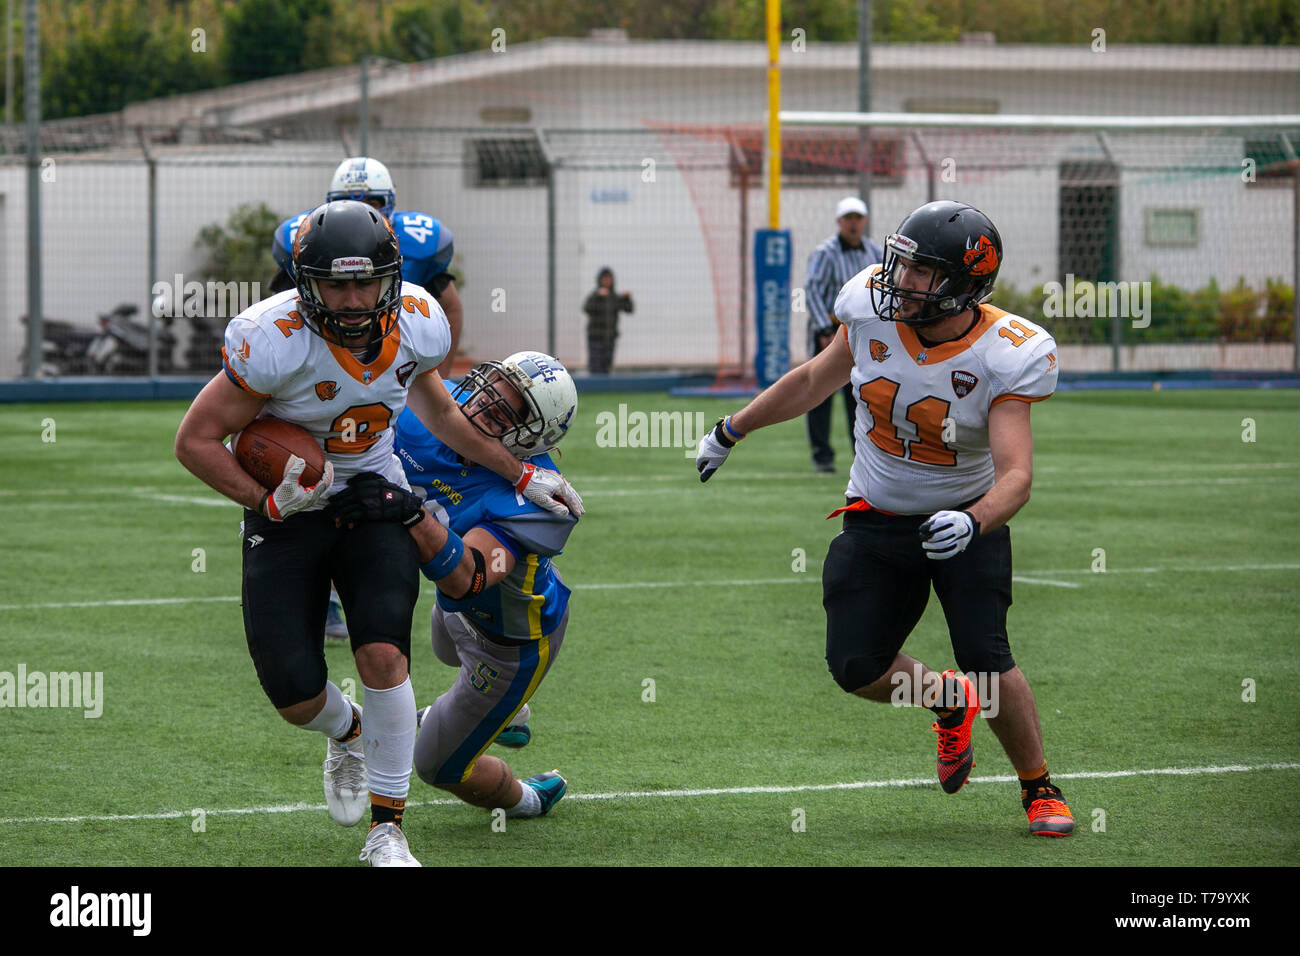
(647, 794)
(1030, 577)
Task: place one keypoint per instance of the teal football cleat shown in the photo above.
(550, 787)
(517, 734)
(336, 629)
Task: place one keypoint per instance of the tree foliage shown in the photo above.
(239, 251)
(98, 57)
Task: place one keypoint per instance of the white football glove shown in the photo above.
(946, 533)
(550, 490)
(290, 497)
(713, 449)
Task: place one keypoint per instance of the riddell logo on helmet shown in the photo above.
(348, 264)
(982, 257)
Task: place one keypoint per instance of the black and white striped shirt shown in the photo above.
(830, 266)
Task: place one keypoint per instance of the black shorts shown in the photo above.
(875, 586)
(288, 567)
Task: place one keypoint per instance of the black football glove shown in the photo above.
(372, 497)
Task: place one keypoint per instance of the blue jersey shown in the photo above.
(531, 600)
(425, 243)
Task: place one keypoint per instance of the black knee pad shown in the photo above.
(852, 673)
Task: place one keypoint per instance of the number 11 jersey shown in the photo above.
(921, 438)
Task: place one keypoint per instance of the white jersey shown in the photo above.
(350, 407)
(921, 438)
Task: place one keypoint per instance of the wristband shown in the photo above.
(975, 525)
(734, 435)
(261, 506)
(446, 560)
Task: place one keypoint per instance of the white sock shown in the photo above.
(529, 805)
(388, 729)
(521, 717)
(335, 718)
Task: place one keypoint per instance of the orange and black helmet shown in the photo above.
(347, 240)
(963, 247)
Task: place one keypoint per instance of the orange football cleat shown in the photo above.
(1048, 814)
(956, 755)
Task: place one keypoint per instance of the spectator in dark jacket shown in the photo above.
(602, 308)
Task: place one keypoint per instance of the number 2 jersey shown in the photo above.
(922, 431)
(349, 406)
(531, 600)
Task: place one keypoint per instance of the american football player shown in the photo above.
(426, 243)
(340, 355)
(427, 250)
(502, 609)
(943, 459)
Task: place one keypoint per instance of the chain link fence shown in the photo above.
(1144, 250)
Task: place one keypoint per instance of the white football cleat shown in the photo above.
(386, 846)
(346, 793)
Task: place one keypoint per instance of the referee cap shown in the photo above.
(849, 205)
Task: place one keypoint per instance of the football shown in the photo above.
(264, 447)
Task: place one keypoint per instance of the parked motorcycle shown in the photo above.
(122, 347)
(65, 348)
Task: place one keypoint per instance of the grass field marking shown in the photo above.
(1031, 577)
(742, 481)
(1180, 570)
(189, 500)
(742, 472)
(713, 792)
(123, 602)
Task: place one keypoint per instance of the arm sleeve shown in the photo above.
(248, 359)
(537, 533)
(280, 254)
(1035, 378)
(853, 302)
(446, 250)
(432, 335)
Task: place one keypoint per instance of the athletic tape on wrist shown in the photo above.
(446, 560)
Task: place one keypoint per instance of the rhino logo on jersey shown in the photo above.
(326, 391)
(963, 383)
(404, 373)
(879, 350)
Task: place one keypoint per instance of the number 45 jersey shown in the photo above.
(349, 406)
(922, 432)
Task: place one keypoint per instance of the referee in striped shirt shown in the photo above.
(833, 263)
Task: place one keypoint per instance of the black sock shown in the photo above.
(354, 729)
(386, 809)
(949, 708)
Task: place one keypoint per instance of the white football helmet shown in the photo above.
(363, 178)
(550, 402)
